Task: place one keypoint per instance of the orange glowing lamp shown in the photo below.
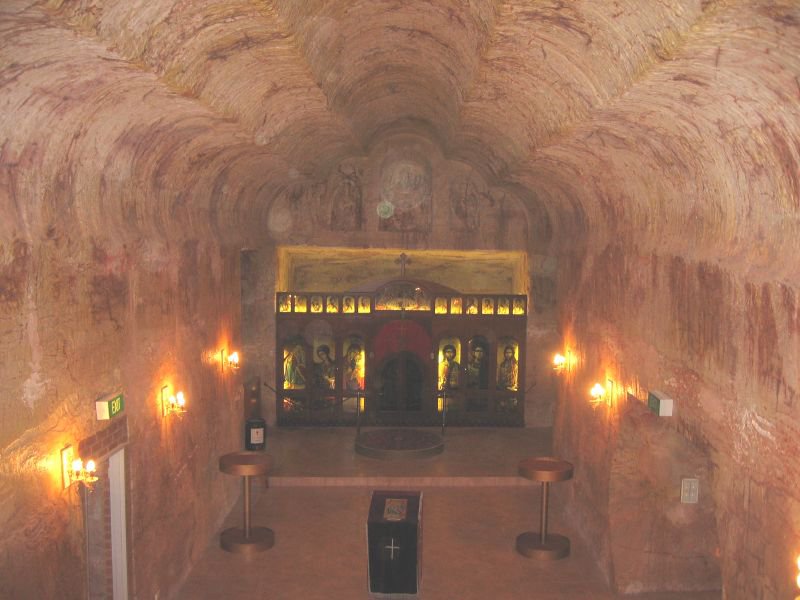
(74, 470)
(798, 574)
(597, 392)
(172, 403)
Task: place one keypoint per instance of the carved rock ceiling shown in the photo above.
(671, 124)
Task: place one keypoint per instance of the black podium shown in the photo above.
(394, 543)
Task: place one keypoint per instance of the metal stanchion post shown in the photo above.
(358, 412)
(444, 411)
(543, 513)
(246, 495)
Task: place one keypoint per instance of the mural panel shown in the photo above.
(405, 195)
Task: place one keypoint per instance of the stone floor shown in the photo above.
(474, 506)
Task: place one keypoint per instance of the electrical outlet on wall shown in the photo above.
(690, 491)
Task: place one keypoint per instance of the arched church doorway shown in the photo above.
(402, 381)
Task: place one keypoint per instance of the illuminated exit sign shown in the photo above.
(108, 409)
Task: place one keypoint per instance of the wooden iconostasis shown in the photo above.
(401, 352)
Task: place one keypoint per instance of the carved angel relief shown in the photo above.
(464, 206)
(346, 199)
(289, 213)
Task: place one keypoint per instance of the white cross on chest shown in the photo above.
(391, 548)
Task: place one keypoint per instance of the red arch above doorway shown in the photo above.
(402, 335)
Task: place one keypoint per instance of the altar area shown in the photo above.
(475, 504)
(306, 456)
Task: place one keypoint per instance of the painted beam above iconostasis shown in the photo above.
(340, 269)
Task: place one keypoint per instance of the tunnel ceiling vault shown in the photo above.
(670, 124)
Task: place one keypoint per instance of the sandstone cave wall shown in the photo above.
(728, 351)
(85, 318)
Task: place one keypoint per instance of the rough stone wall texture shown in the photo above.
(653, 152)
(656, 542)
(727, 351)
(97, 319)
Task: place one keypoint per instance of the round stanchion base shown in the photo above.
(555, 546)
(233, 540)
(399, 444)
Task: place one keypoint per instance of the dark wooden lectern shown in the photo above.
(394, 542)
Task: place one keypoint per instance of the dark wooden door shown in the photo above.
(402, 383)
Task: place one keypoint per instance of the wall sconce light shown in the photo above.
(74, 470)
(564, 362)
(231, 360)
(172, 403)
(597, 392)
(798, 576)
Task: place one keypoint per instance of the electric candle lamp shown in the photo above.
(798, 574)
(597, 392)
(172, 403)
(559, 361)
(74, 470)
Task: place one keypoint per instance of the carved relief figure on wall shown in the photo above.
(346, 199)
(405, 195)
(464, 206)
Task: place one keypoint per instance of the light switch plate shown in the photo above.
(690, 491)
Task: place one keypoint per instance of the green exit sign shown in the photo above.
(108, 409)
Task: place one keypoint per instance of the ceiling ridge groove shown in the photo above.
(500, 7)
(692, 33)
(144, 59)
(135, 65)
(302, 59)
